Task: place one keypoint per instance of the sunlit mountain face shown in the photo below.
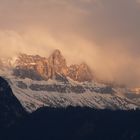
(69, 69)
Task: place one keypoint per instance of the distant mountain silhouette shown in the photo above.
(11, 111)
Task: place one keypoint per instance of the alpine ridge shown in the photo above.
(38, 81)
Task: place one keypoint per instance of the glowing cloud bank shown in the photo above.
(104, 34)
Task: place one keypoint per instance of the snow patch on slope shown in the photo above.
(33, 100)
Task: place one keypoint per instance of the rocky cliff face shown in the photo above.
(41, 68)
(80, 73)
(33, 67)
(57, 63)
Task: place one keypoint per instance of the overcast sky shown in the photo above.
(103, 33)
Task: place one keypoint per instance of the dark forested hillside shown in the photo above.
(10, 108)
(79, 124)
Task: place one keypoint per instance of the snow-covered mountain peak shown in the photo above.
(48, 81)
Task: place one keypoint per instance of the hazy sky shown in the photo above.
(103, 33)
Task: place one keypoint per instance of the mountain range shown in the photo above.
(38, 81)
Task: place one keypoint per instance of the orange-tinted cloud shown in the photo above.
(105, 34)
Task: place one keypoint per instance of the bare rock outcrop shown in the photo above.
(41, 68)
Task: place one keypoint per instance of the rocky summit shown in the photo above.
(36, 67)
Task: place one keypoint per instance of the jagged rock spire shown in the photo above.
(57, 63)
